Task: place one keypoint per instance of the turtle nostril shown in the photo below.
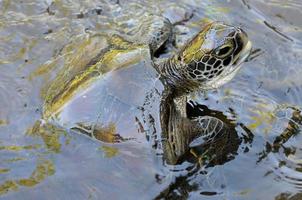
(243, 32)
(232, 34)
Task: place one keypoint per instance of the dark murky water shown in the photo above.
(263, 101)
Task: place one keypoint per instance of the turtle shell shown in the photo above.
(102, 97)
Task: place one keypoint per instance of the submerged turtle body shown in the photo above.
(91, 56)
(104, 90)
(108, 99)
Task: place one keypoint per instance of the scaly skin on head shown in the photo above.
(209, 60)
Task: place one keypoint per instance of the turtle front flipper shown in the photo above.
(216, 141)
(201, 137)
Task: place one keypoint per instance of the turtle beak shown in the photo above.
(246, 51)
(242, 39)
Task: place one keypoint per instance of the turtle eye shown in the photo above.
(223, 51)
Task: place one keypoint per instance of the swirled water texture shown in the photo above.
(263, 103)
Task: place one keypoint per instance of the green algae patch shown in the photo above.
(262, 117)
(109, 151)
(214, 10)
(42, 171)
(62, 7)
(8, 186)
(5, 5)
(12, 160)
(4, 171)
(50, 135)
(2, 121)
(20, 148)
(243, 192)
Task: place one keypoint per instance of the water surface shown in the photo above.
(263, 101)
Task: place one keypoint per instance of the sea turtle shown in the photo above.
(107, 78)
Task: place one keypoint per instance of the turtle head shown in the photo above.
(212, 57)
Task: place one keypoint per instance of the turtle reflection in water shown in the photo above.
(206, 137)
(214, 142)
(103, 75)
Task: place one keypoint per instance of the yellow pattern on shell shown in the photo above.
(79, 73)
